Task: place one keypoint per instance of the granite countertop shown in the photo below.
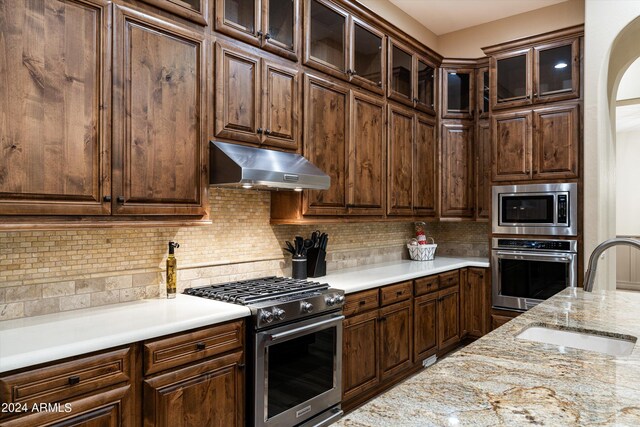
(503, 381)
(33, 340)
(373, 276)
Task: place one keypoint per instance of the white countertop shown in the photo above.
(375, 275)
(33, 340)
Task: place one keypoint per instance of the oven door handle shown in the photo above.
(295, 331)
(530, 256)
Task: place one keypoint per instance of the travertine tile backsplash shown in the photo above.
(49, 271)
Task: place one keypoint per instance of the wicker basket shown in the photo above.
(423, 252)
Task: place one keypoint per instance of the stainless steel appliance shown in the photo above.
(535, 209)
(294, 339)
(526, 272)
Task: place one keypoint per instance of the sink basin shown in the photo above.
(584, 340)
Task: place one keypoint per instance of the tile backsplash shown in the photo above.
(50, 271)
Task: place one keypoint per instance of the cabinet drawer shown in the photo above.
(394, 293)
(449, 279)
(424, 285)
(189, 347)
(61, 381)
(362, 301)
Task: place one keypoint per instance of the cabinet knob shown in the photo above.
(399, 293)
(241, 365)
(200, 346)
(120, 199)
(349, 71)
(73, 380)
(267, 36)
(267, 132)
(259, 130)
(259, 33)
(354, 73)
(416, 100)
(362, 302)
(107, 198)
(380, 84)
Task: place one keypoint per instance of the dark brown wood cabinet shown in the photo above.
(458, 92)
(193, 10)
(367, 56)
(396, 339)
(483, 170)
(55, 134)
(273, 25)
(457, 170)
(425, 167)
(257, 101)
(475, 295)
(360, 354)
(326, 37)
(159, 143)
(400, 161)
(500, 317)
(425, 326)
(512, 135)
(99, 389)
(366, 166)
(448, 317)
(411, 77)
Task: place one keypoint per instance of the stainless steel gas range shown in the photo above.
(294, 339)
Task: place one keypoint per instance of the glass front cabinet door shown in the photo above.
(482, 92)
(457, 93)
(511, 79)
(556, 71)
(326, 37)
(425, 85)
(367, 56)
(400, 73)
(270, 24)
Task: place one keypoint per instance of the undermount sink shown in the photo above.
(584, 340)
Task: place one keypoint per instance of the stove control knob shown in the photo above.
(306, 307)
(266, 316)
(278, 313)
(339, 299)
(331, 300)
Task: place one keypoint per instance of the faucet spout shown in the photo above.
(590, 275)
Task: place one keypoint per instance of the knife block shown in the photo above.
(316, 264)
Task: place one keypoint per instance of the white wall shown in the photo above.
(607, 56)
(630, 83)
(627, 182)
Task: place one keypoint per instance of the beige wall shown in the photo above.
(468, 43)
(627, 179)
(402, 20)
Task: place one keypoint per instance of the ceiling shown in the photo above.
(443, 17)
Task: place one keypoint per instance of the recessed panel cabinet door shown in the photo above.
(556, 142)
(400, 161)
(511, 146)
(483, 170)
(159, 156)
(281, 106)
(448, 317)
(457, 170)
(425, 316)
(326, 134)
(424, 168)
(396, 339)
(366, 153)
(55, 86)
(237, 94)
(360, 354)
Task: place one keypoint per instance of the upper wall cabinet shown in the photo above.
(159, 151)
(194, 10)
(344, 46)
(273, 25)
(482, 92)
(535, 74)
(411, 78)
(55, 135)
(257, 101)
(457, 93)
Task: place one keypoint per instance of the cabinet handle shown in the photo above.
(107, 198)
(267, 132)
(259, 130)
(120, 199)
(267, 36)
(363, 302)
(200, 346)
(241, 365)
(74, 380)
(399, 293)
(259, 33)
(416, 100)
(383, 319)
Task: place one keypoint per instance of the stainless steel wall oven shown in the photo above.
(526, 272)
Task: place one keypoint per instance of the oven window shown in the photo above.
(300, 369)
(527, 209)
(532, 279)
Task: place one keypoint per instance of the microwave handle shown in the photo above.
(317, 325)
(539, 255)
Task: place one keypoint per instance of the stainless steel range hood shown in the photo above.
(233, 165)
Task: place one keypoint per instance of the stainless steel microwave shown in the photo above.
(535, 209)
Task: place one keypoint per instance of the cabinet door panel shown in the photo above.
(54, 133)
(326, 37)
(483, 170)
(281, 106)
(425, 317)
(239, 19)
(360, 354)
(194, 10)
(237, 94)
(396, 339)
(425, 85)
(425, 173)
(210, 393)
(400, 73)
(556, 142)
(511, 79)
(400, 161)
(366, 151)
(448, 317)
(367, 56)
(511, 150)
(475, 307)
(482, 92)
(557, 71)
(457, 170)
(281, 27)
(458, 93)
(325, 143)
(159, 150)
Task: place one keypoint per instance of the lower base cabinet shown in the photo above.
(360, 359)
(396, 336)
(425, 326)
(500, 317)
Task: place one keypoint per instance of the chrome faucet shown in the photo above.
(590, 275)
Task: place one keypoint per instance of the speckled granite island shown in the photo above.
(501, 380)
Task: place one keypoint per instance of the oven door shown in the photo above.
(523, 279)
(298, 370)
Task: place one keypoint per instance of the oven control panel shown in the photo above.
(270, 313)
(536, 245)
